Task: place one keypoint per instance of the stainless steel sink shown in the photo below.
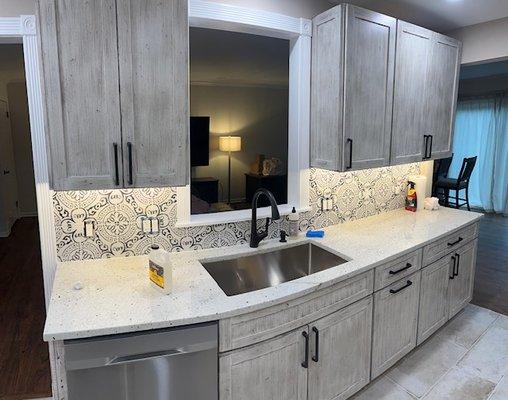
(245, 274)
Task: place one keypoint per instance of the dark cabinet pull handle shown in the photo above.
(350, 141)
(315, 357)
(453, 268)
(305, 363)
(408, 265)
(430, 151)
(409, 283)
(129, 149)
(458, 265)
(117, 173)
(460, 239)
(426, 146)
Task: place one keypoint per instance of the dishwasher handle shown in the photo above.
(143, 357)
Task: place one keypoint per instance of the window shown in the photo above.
(293, 35)
(239, 87)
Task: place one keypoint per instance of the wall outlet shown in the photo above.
(146, 226)
(154, 225)
(326, 204)
(89, 228)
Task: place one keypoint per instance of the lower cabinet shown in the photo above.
(327, 359)
(395, 322)
(434, 298)
(460, 290)
(269, 370)
(446, 288)
(340, 352)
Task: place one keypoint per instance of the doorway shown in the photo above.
(24, 358)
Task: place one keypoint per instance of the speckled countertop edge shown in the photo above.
(117, 297)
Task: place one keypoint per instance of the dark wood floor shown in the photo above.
(491, 282)
(24, 361)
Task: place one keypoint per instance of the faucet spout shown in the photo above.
(255, 235)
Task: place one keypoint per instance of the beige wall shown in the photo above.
(258, 114)
(483, 42)
(15, 8)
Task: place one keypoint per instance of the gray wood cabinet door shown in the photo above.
(327, 88)
(270, 370)
(434, 297)
(414, 47)
(153, 55)
(368, 88)
(80, 71)
(340, 352)
(460, 291)
(395, 323)
(444, 70)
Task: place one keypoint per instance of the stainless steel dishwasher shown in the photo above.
(169, 364)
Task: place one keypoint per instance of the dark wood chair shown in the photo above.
(441, 168)
(458, 184)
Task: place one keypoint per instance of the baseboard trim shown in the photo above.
(26, 214)
(4, 234)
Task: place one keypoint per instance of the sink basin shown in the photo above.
(246, 274)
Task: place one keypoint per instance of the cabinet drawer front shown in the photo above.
(395, 322)
(392, 271)
(435, 250)
(261, 325)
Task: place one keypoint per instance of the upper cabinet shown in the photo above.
(353, 57)
(425, 95)
(383, 91)
(115, 79)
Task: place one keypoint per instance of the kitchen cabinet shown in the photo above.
(444, 70)
(409, 131)
(271, 370)
(115, 85)
(327, 359)
(353, 57)
(461, 286)
(384, 91)
(425, 94)
(394, 323)
(433, 298)
(335, 374)
(446, 288)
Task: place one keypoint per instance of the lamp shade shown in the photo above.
(230, 143)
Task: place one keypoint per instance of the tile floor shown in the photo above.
(467, 359)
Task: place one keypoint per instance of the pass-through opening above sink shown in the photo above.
(248, 273)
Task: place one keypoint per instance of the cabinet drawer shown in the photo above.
(401, 267)
(435, 250)
(395, 323)
(264, 324)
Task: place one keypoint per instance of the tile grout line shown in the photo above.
(414, 396)
(496, 387)
(478, 339)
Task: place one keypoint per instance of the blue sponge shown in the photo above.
(315, 234)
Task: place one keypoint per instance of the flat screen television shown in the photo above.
(199, 141)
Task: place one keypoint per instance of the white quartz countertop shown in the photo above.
(116, 295)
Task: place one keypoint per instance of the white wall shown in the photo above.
(258, 114)
(483, 42)
(295, 8)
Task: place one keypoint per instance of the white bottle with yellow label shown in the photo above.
(160, 270)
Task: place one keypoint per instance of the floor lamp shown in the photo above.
(230, 144)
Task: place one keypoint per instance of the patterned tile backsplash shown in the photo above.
(118, 215)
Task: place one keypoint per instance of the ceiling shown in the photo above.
(484, 70)
(438, 15)
(237, 59)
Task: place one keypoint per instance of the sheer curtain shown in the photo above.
(481, 129)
